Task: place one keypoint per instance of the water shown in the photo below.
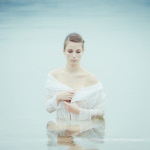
(117, 51)
(76, 135)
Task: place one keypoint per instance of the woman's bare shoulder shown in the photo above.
(56, 72)
(91, 78)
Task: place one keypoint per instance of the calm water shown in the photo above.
(117, 51)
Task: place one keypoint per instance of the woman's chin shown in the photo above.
(73, 62)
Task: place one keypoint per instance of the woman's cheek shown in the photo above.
(80, 56)
(68, 56)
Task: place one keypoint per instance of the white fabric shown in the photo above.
(90, 100)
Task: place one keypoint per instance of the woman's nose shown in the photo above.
(74, 54)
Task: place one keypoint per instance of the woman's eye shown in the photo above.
(78, 52)
(70, 51)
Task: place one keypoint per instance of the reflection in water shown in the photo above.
(77, 135)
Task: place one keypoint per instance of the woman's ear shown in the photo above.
(64, 51)
(83, 50)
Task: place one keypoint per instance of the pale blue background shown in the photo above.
(117, 50)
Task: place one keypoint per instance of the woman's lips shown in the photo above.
(74, 60)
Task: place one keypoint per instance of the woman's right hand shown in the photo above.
(64, 96)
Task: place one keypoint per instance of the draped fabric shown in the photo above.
(90, 99)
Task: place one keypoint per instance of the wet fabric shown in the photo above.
(90, 99)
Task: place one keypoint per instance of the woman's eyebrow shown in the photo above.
(76, 49)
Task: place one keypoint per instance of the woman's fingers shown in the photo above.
(70, 96)
(66, 104)
(68, 101)
(72, 92)
(72, 107)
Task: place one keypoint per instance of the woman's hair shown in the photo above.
(74, 37)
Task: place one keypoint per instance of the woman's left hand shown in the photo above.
(72, 107)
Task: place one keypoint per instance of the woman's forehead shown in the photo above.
(74, 45)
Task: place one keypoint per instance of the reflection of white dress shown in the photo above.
(90, 100)
(90, 132)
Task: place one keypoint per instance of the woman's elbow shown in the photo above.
(50, 110)
(102, 113)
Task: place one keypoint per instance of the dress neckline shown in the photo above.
(86, 87)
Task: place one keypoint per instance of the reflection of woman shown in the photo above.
(74, 92)
(64, 133)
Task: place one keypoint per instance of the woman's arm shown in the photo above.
(88, 113)
(50, 96)
(51, 101)
(54, 97)
(98, 110)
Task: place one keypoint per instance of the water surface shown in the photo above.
(117, 51)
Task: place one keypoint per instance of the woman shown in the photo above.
(74, 92)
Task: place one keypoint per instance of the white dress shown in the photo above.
(91, 100)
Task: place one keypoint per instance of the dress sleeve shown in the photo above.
(97, 110)
(50, 98)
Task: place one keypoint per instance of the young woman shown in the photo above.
(72, 91)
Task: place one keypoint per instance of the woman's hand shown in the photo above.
(72, 107)
(64, 96)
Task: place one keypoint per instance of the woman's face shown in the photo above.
(73, 51)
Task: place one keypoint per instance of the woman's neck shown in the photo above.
(72, 68)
